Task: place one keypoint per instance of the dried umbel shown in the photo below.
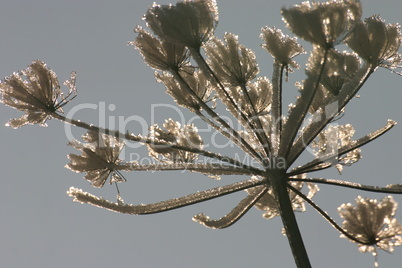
(207, 75)
(282, 47)
(189, 22)
(372, 224)
(196, 81)
(376, 42)
(186, 136)
(36, 92)
(99, 158)
(325, 24)
(233, 63)
(334, 137)
(160, 54)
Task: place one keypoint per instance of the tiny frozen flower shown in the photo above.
(174, 134)
(99, 158)
(372, 223)
(160, 54)
(189, 22)
(331, 140)
(340, 68)
(377, 42)
(36, 92)
(269, 204)
(197, 83)
(282, 47)
(260, 94)
(233, 64)
(259, 97)
(325, 24)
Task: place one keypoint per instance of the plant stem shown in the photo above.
(278, 181)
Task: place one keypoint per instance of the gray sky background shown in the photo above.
(41, 226)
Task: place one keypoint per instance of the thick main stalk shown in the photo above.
(278, 181)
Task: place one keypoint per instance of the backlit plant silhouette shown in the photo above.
(203, 74)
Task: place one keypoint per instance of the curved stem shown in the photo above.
(174, 203)
(233, 216)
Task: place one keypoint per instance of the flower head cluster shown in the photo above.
(196, 81)
(99, 158)
(331, 140)
(376, 42)
(233, 63)
(257, 98)
(160, 54)
(324, 24)
(282, 47)
(174, 134)
(340, 68)
(189, 23)
(372, 223)
(36, 92)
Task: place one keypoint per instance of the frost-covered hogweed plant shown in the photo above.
(204, 73)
